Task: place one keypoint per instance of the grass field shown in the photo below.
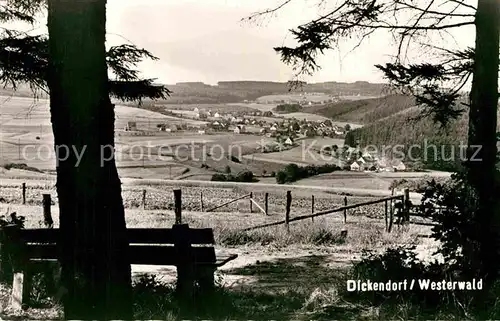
(278, 273)
(224, 108)
(311, 257)
(296, 97)
(26, 137)
(306, 152)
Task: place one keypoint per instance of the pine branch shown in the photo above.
(360, 18)
(124, 58)
(21, 10)
(136, 90)
(427, 83)
(24, 59)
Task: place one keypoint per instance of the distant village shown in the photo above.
(285, 132)
(257, 122)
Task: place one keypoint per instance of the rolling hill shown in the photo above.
(238, 91)
(363, 111)
(402, 129)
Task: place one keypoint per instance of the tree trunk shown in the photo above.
(95, 266)
(482, 132)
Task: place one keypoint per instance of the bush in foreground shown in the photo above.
(22, 166)
(243, 177)
(293, 172)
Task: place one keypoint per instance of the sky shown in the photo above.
(205, 40)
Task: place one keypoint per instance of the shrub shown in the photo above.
(418, 186)
(12, 220)
(293, 172)
(457, 223)
(244, 177)
(22, 166)
(219, 177)
(288, 108)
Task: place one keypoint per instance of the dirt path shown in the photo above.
(268, 268)
(271, 268)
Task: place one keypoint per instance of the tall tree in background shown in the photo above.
(437, 87)
(72, 64)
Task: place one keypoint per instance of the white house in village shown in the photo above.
(274, 128)
(217, 115)
(367, 156)
(288, 141)
(355, 166)
(361, 160)
(169, 129)
(131, 126)
(399, 166)
(201, 132)
(239, 129)
(196, 110)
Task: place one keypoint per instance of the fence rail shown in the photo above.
(401, 212)
(231, 201)
(287, 219)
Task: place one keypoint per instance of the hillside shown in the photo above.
(238, 91)
(363, 111)
(401, 131)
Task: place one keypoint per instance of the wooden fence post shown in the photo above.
(251, 204)
(185, 269)
(47, 215)
(24, 193)
(266, 206)
(143, 199)
(391, 216)
(178, 206)
(345, 211)
(201, 201)
(21, 271)
(406, 205)
(312, 207)
(386, 218)
(287, 213)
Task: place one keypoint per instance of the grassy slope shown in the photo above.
(403, 128)
(363, 111)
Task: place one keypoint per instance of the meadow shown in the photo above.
(287, 273)
(279, 273)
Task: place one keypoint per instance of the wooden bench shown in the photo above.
(161, 246)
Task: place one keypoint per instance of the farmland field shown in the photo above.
(365, 225)
(26, 137)
(309, 255)
(186, 108)
(178, 166)
(258, 106)
(296, 97)
(306, 152)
